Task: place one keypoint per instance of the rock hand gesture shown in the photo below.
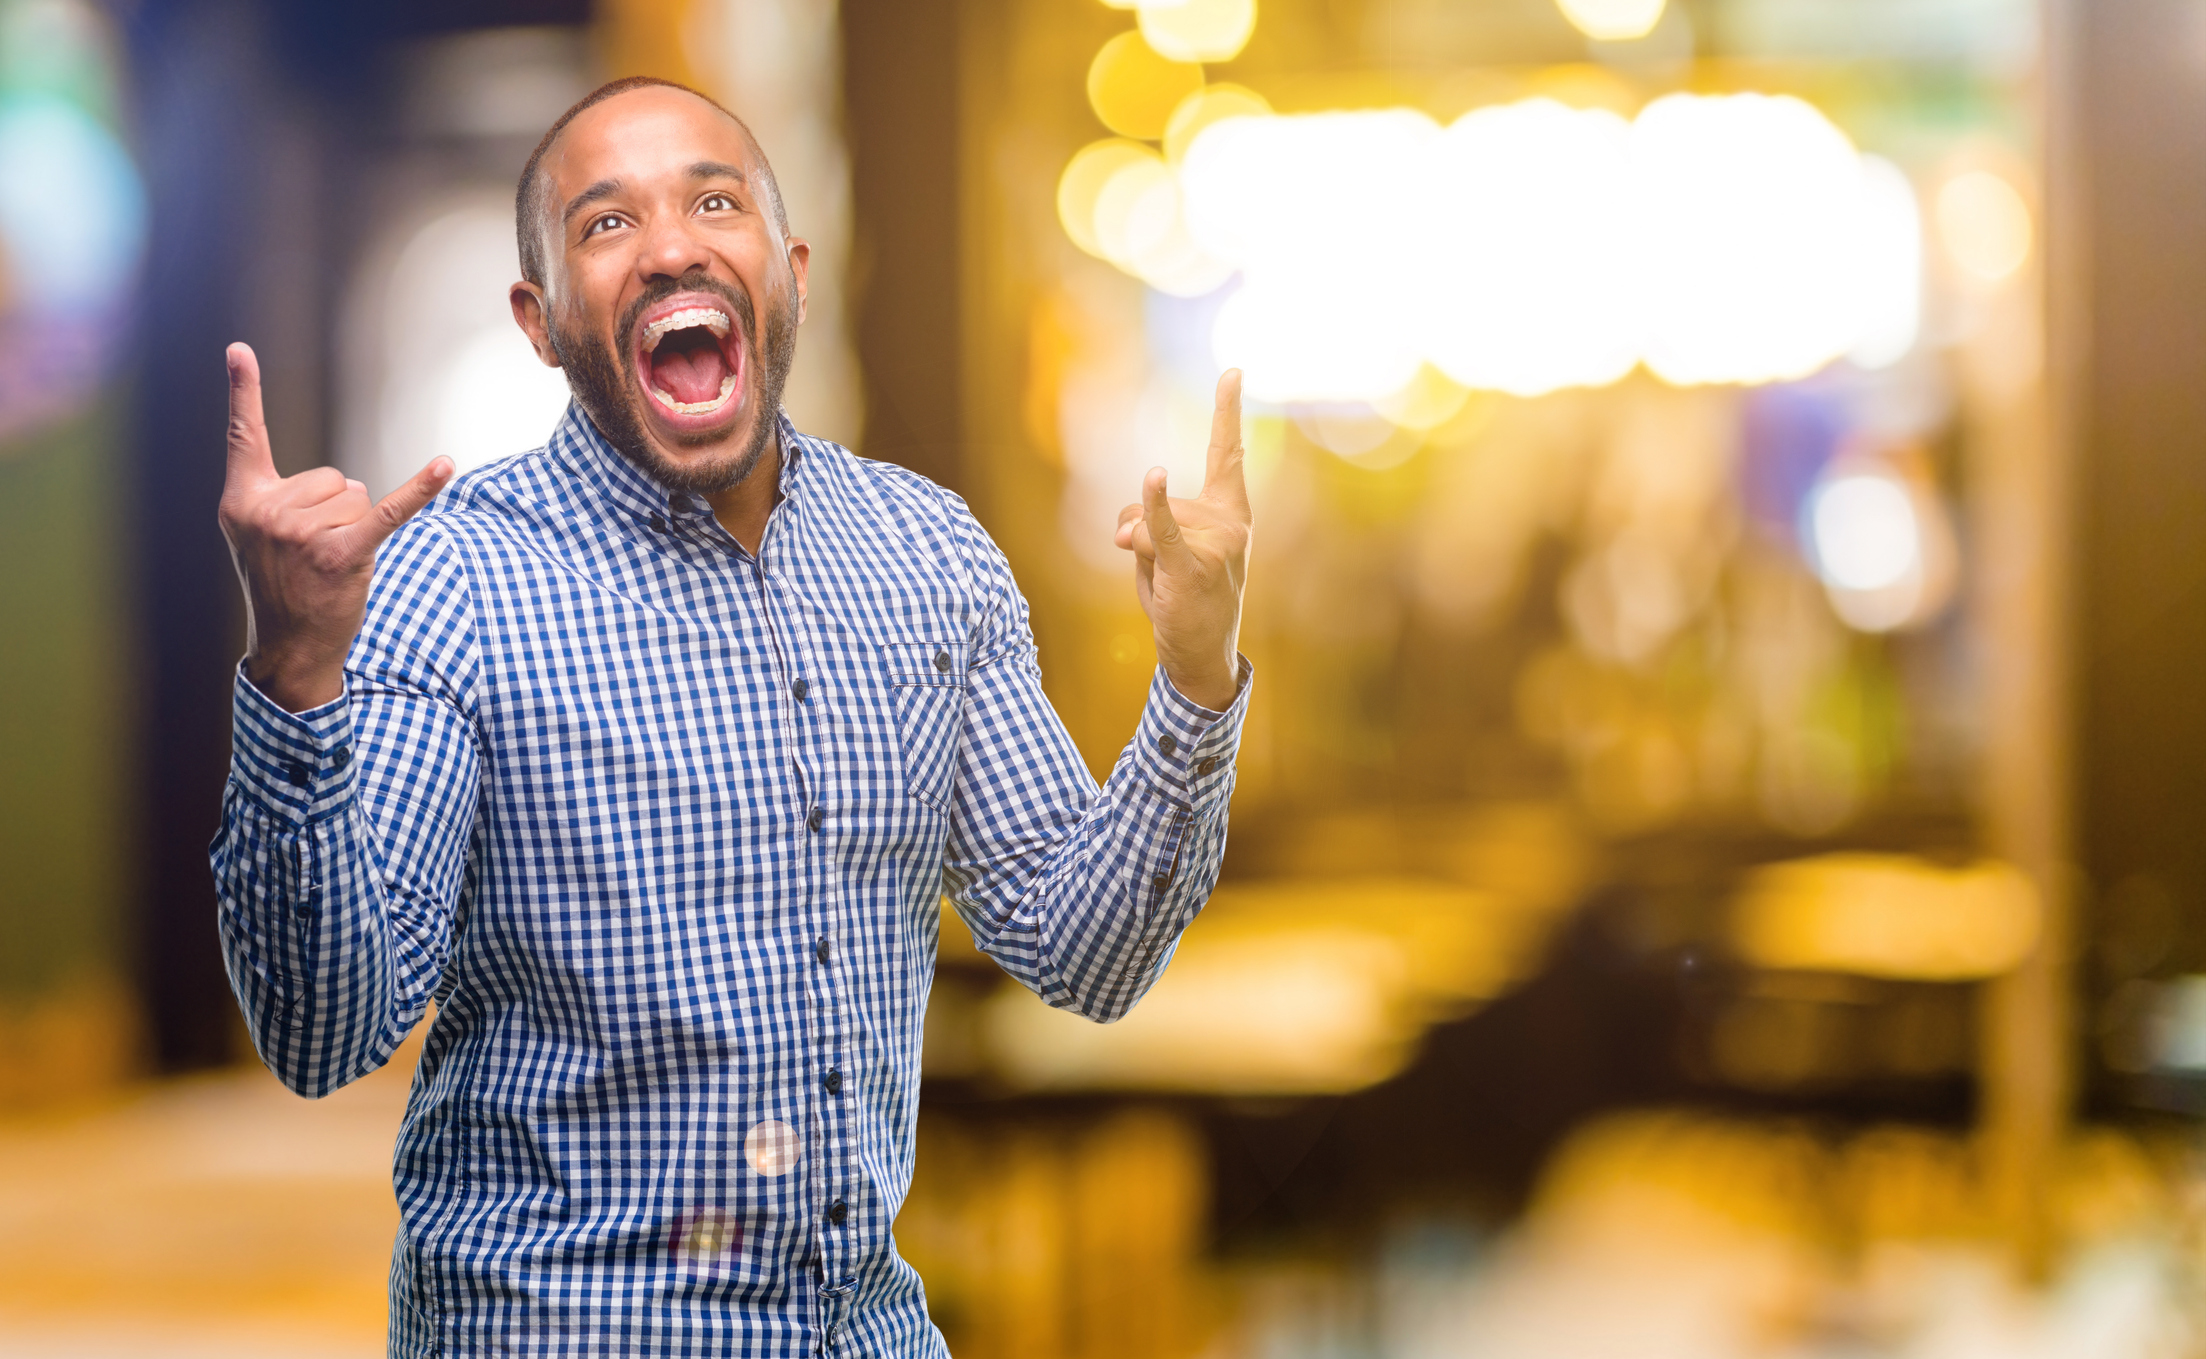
(305, 551)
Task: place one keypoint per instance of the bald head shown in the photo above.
(535, 215)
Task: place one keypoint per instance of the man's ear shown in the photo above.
(527, 301)
(800, 261)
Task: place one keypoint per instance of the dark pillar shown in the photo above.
(900, 89)
(2137, 135)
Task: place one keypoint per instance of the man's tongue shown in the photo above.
(689, 367)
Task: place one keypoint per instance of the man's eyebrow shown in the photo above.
(603, 189)
(717, 169)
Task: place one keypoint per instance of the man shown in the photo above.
(648, 756)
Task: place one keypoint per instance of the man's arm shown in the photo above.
(350, 801)
(1079, 893)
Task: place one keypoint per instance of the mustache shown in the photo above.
(695, 281)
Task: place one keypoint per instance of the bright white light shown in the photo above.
(1888, 265)
(496, 398)
(1332, 281)
(1717, 239)
(1531, 282)
(1865, 533)
(1613, 20)
(1748, 210)
(436, 364)
(1199, 30)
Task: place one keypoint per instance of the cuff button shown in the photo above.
(1169, 746)
(1204, 766)
(340, 757)
(299, 774)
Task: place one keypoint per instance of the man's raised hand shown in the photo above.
(305, 551)
(1191, 559)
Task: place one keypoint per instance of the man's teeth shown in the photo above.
(710, 318)
(727, 385)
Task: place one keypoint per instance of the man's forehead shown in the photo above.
(643, 133)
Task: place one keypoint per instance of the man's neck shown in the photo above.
(743, 508)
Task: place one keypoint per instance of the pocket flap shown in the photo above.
(941, 664)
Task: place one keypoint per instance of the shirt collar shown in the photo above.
(579, 447)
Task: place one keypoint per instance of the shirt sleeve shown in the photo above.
(1079, 892)
(345, 831)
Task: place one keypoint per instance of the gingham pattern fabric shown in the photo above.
(663, 829)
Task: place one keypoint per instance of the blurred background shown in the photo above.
(1716, 867)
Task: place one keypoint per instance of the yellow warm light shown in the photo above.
(1305, 989)
(1139, 228)
(1134, 89)
(1210, 104)
(1430, 400)
(1078, 189)
(1886, 915)
(1199, 30)
(1984, 225)
(1613, 20)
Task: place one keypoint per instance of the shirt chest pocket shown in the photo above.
(927, 686)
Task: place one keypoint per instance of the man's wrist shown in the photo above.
(1213, 690)
(293, 684)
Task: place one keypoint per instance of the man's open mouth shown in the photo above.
(691, 360)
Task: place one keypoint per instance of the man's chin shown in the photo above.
(687, 454)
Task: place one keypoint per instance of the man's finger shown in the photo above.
(250, 457)
(1158, 523)
(1222, 473)
(399, 506)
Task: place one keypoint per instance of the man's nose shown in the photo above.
(670, 247)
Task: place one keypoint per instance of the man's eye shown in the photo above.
(717, 202)
(603, 224)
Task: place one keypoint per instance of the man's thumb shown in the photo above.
(400, 505)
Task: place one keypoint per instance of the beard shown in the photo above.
(611, 393)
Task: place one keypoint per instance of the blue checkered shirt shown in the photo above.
(663, 829)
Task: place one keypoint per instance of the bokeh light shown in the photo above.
(1984, 224)
(1199, 30)
(1134, 90)
(1865, 533)
(1210, 104)
(1613, 20)
(1887, 916)
(1747, 209)
(1531, 272)
(1528, 247)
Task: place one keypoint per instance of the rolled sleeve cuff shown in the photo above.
(1187, 748)
(298, 765)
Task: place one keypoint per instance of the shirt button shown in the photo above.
(1169, 746)
(942, 661)
(800, 689)
(299, 773)
(658, 522)
(1204, 766)
(304, 910)
(816, 819)
(834, 1082)
(340, 757)
(822, 951)
(837, 1212)
(1161, 881)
